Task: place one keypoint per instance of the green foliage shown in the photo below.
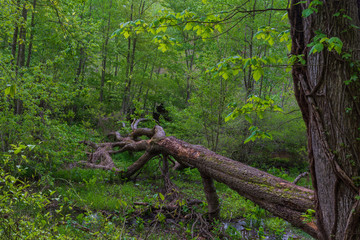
(312, 8)
(187, 20)
(256, 133)
(321, 40)
(21, 209)
(10, 90)
(254, 105)
(309, 216)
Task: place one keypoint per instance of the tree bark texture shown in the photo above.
(282, 198)
(330, 104)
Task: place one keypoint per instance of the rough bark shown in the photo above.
(331, 110)
(282, 198)
(211, 196)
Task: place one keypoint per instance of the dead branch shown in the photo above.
(297, 179)
(136, 122)
(116, 135)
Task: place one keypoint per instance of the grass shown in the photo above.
(95, 204)
(95, 190)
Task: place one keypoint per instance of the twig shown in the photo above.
(300, 177)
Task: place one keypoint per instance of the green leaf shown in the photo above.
(250, 138)
(228, 117)
(188, 26)
(285, 16)
(219, 28)
(161, 196)
(307, 12)
(248, 118)
(271, 41)
(31, 147)
(257, 74)
(268, 135)
(10, 90)
(161, 217)
(247, 63)
(126, 34)
(317, 48)
(260, 114)
(235, 72)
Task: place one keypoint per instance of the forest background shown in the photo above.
(212, 73)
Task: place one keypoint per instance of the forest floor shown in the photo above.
(95, 203)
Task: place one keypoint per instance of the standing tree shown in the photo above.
(326, 34)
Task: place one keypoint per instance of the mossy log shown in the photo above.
(282, 198)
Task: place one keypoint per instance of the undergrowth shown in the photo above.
(78, 203)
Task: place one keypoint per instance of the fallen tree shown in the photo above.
(282, 198)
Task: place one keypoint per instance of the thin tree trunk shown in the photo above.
(128, 74)
(211, 196)
(189, 53)
(105, 55)
(130, 63)
(15, 35)
(22, 40)
(32, 26)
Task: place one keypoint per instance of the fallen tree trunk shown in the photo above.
(282, 198)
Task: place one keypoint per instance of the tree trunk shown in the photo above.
(105, 55)
(330, 104)
(15, 35)
(32, 26)
(282, 198)
(22, 40)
